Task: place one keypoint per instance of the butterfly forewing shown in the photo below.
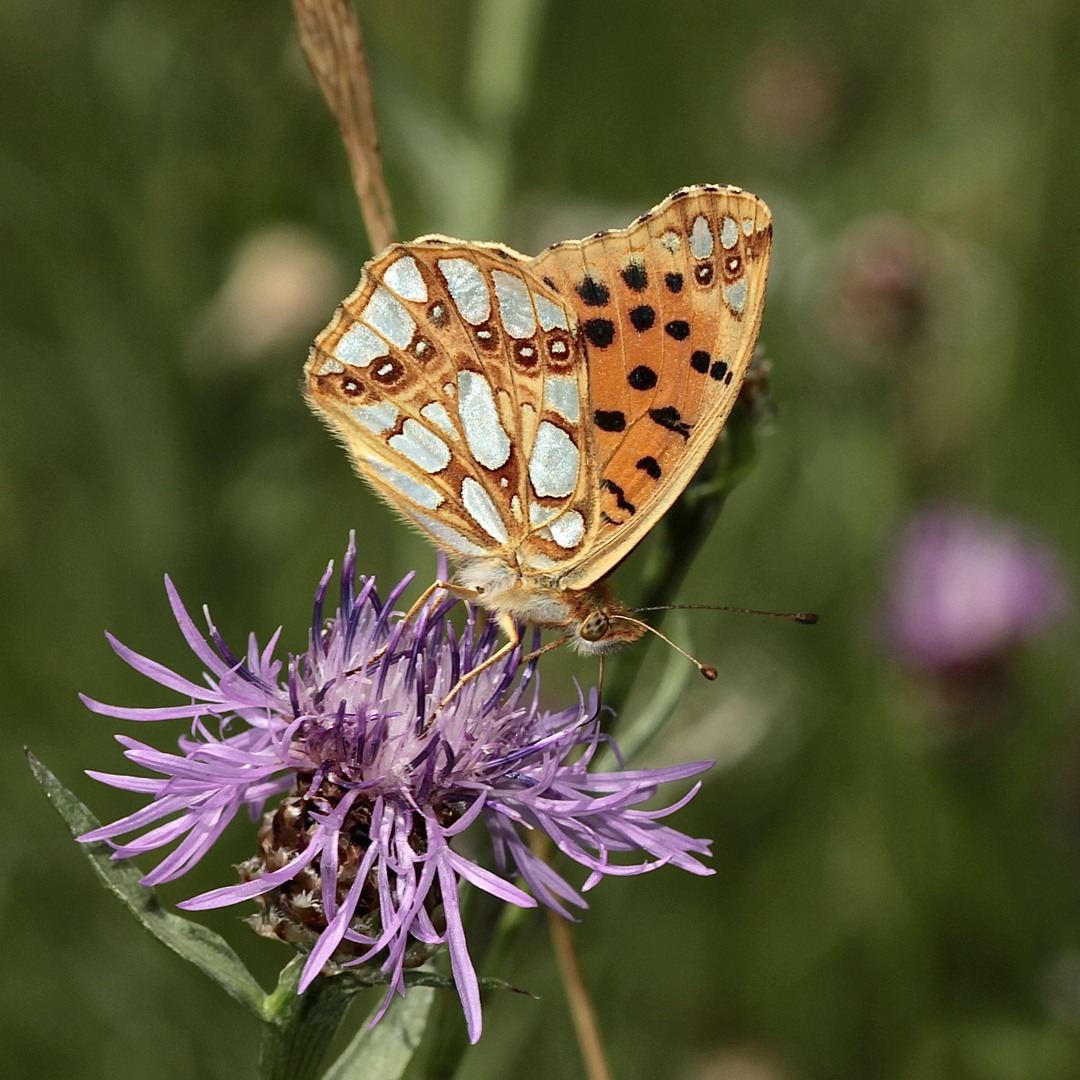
(669, 310)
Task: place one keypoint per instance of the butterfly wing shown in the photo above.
(546, 412)
(669, 312)
(454, 380)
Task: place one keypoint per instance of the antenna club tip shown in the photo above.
(710, 673)
(807, 618)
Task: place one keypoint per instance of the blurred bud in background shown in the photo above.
(965, 588)
(880, 291)
(281, 289)
(925, 316)
(790, 101)
(743, 1063)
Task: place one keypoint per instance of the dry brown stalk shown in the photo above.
(590, 1041)
(334, 47)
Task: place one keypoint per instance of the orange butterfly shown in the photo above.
(536, 417)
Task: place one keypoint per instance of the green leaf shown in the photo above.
(384, 1051)
(202, 947)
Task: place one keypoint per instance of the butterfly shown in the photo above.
(535, 417)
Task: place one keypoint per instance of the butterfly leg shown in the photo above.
(509, 627)
(458, 591)
(547, 648)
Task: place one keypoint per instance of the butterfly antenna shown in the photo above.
(599, 689)
(807, 618)
(705, 669)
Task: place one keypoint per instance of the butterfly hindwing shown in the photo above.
(455, 381)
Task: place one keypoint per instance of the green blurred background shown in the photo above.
(896, 892)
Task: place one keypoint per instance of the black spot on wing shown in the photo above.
(719, 370)
(620, 496)
(650, 466)
(610, 421)
(594, 293)
(642, 377)
(673, 282)
(642, 318)
(601, 332)
(668, 417)
(636, 277)
(389, 371)
(679, 329)
(525, 354)
(699, 361)
(422, 348)
(487, 336)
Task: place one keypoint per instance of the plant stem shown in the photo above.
(298, 1028)
(684, 528)
(582, 1012)
(577, 997)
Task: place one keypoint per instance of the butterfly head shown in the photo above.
(601, 624)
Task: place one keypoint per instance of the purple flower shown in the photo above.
(965, 587)
(356, 864)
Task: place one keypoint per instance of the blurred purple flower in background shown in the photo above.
(964, 587)
(355, 864)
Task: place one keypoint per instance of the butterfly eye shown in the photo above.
(595, 626)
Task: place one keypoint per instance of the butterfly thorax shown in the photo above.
(593, 620)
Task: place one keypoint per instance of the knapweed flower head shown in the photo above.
(965, 587)
(356, 863)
